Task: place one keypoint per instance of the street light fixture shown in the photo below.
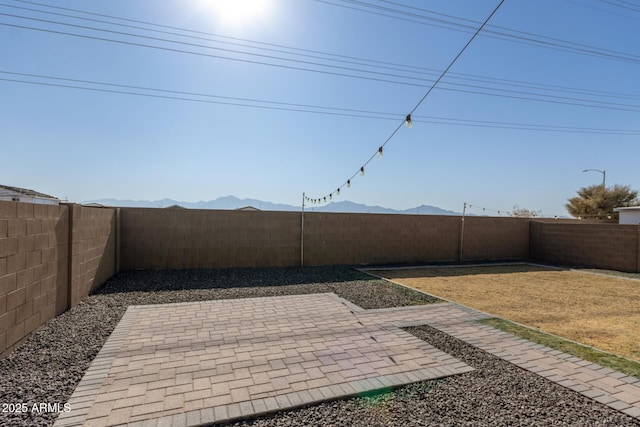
(604, 174)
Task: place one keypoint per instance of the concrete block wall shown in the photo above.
(53, 256)
(177, 239)
(93, 247)
(50, 258)
(33, 268)
(334, 238)
(607, 246)
(495, 238)
(185, 238)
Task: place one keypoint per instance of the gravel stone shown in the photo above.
(48, 366)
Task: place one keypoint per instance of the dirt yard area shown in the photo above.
(600, 311)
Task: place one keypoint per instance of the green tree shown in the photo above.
(598, 202)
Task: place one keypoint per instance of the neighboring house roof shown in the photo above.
(26, 192)
(175, 207)
(247, 208)
(630, 208)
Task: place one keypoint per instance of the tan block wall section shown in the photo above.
(332, 238)
(608, 246)
(177, 238)
(491, 238)
(94, 249)
(33, 268)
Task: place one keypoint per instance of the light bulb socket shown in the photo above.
(362, 170)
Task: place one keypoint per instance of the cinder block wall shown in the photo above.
(333, 238)
(177, 238)
(608, 246)
(33, 268)
(185, 238)
(94, 249)
(489, 238)
(36, 256)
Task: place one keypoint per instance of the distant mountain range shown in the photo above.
(232, 202)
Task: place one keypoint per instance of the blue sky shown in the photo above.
(581, 57)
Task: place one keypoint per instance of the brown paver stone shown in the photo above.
(219, 360)
(237, 358)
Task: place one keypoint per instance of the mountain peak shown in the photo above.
(231, 202)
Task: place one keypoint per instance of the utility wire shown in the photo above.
(397, 67)
(158, 39)
(212, 38)
(296, 107)
(610, 12)
(483, 90)
(216, 35)
(332, 56)
(519, 36)
(625, 5)
(168, 49)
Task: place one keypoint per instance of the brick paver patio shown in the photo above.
(202, 362)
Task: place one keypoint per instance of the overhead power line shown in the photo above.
(486, 90)
(172, 94)
(624, 5)
(384, 77)
(502, 33)
(253, 44)
(605, 10)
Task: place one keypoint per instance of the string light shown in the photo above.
(338, 192)
(484, 210)
(407, 120)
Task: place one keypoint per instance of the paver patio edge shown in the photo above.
(86, 392)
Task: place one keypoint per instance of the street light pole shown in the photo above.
(604, 175)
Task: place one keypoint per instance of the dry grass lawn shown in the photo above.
(600, 311)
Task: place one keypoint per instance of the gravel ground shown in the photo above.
(49, 365)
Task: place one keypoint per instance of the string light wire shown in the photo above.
(407, 120)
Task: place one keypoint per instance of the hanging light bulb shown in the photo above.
(380, 152)
(348, 183)
(338, 192)
(330, 196)
(407, 121)
(362, 170)
(325, 199)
